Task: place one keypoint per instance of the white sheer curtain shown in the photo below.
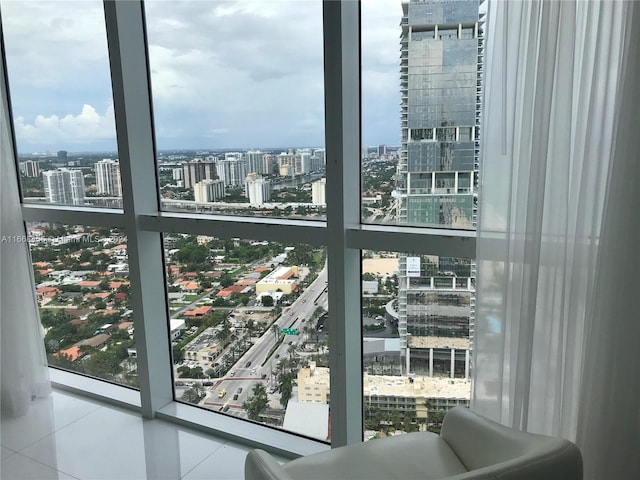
(559, 231)
(23, 363)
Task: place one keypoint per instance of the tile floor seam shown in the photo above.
(229, 444)
(19, 452)
(99, 407)
(56, 430)
(48, 466)
(204, 459)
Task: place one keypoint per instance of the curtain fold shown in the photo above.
(609, 410)
(559, 190)
(23, 362)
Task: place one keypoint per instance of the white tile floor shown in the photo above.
(67, 437)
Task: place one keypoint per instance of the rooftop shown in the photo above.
(397, 386)
(438, 342)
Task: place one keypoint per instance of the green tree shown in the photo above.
(276, 331)
(285, 387)
(435, 421)
(267, 301)
(226, 280)
(85, 256)
(193, 394)
(105, 364)
(53, 318)
(225, 331)
(257, 403)
(251, 327)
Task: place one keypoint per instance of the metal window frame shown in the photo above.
(343, 234)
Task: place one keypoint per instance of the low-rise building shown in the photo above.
(204, 348)
(387, 393)
(176, 327)
(313, 384)
(198, 312)
(282, 278)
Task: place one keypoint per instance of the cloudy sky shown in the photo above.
(224, 73)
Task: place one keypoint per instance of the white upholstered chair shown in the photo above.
(469, 447)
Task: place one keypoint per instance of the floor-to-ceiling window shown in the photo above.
(247, 242)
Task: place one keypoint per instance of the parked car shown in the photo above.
(239, 389)
(264, 375)
(222, 393)
(235, 396)
(248, 364)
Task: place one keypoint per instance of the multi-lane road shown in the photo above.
(256, 365)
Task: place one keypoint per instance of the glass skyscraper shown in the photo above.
(436, 182)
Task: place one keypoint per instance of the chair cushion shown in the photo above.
(420, 455)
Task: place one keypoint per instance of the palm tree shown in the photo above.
(251, 326)
(225, 332)
(234, 349)
(292, 351)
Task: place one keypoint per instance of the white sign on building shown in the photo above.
(413, 266)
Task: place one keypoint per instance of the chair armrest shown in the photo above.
(484, 446)
(259, 465)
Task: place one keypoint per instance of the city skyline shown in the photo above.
(272, 84)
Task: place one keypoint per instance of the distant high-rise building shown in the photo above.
(232, 170)
(257, 189)
(31, 169)
(209, 191)
(108, 180)
(318, 159)
(271, 163)
(439, 84)
(318, 189)
(382, 150)
(305, 162)
(197, 170)
(440, 81)
(62, 156)
(291, 164)
(258, 162)
(317, 163)
(64, 186)
(176, 174)
(287, 164)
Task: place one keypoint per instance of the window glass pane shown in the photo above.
(58, 70)
(239, 106)
(248, 329)
(418, 317)
(82, 285)
(420, 161)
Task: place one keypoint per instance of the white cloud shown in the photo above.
(52, 43)
(85, 128)
(255, 67)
